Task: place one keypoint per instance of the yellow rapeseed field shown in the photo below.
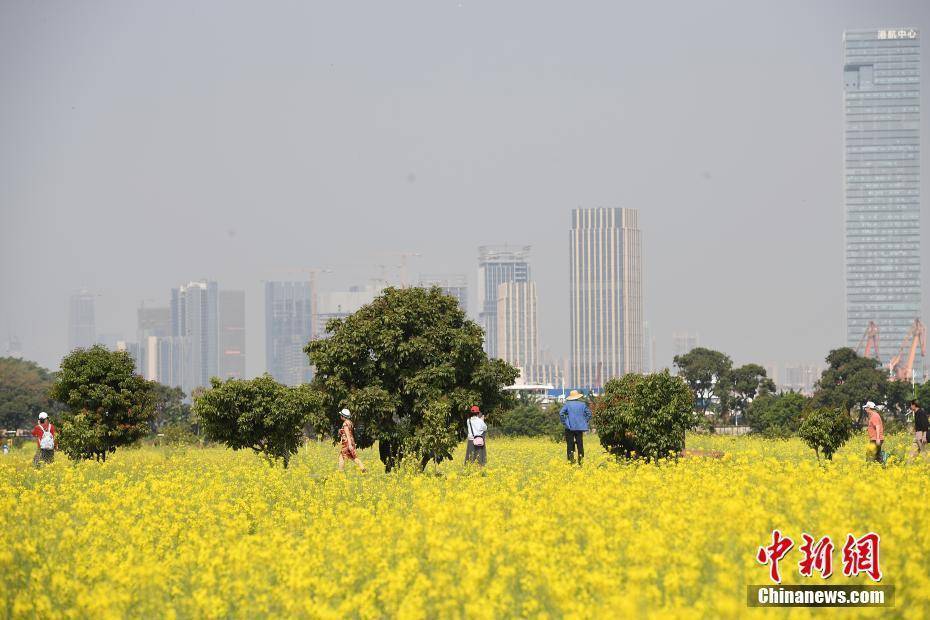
(213, 533)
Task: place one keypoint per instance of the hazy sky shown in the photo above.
(143, 145)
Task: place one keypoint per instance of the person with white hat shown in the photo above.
(347, 440)
(575, 416)
(876, 429)
(46, 440)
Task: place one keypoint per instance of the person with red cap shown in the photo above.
(476, 452)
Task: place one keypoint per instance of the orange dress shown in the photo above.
(347, 438)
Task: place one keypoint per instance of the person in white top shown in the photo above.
(476, 452)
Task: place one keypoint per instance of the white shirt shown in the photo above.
(476, 424)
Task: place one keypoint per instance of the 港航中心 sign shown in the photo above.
(897, 34)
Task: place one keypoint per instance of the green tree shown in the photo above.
(850, 381)
(776, 415)
(826, 430)
(258, 414)
(747, 382)
(644, 416)
(108, 405)
(531, 419)
(409, 365)
(24, 393)
(170, 408)
(701, 368)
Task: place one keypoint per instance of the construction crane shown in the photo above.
(402, 267)
(870, 338)
(916, 335)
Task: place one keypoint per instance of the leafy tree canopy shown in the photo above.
(776, 415)
(644, 416)
(530, 419)
(700, 368)
(749, 380)
(170, 408)
(258, 414)
(850, 381)
(826, 430)
(24, 392)
(408, 365)
(108, 406)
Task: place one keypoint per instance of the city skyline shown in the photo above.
(740, 191)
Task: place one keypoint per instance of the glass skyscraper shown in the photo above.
(496, 265)
(606, 276)
(82, 328)
(882, 183)
(289, 326)
(194, 315)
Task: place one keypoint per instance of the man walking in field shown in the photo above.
(46, 440)
(876, 430)
(921, 426)
(575, 416)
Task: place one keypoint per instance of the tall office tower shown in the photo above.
(517, 334)
(194, 318)
(82, 328)
(496, 265)
(289, 326)
(231, 315)
(882, 183)
(606, 295)
(455, 285)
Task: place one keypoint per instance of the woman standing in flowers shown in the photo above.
(476, 451)
(347, 441)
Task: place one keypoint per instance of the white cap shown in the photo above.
(43, 416)
(345, 413)
(870, 405)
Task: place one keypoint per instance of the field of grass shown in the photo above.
(160, 532)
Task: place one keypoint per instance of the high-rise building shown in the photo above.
(82, 327)
(289, 326)
(496, 265)
(606, 295)
(455, 285)
(882, 183)
(517, 334)
(231, 316)
(194, 317)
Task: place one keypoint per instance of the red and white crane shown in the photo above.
(870, 338)
(904, 370)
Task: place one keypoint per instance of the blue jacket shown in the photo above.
(575, 415)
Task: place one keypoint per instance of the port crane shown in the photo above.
(870, 338)
(901, 368)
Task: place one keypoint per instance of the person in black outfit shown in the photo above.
(921, 426)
